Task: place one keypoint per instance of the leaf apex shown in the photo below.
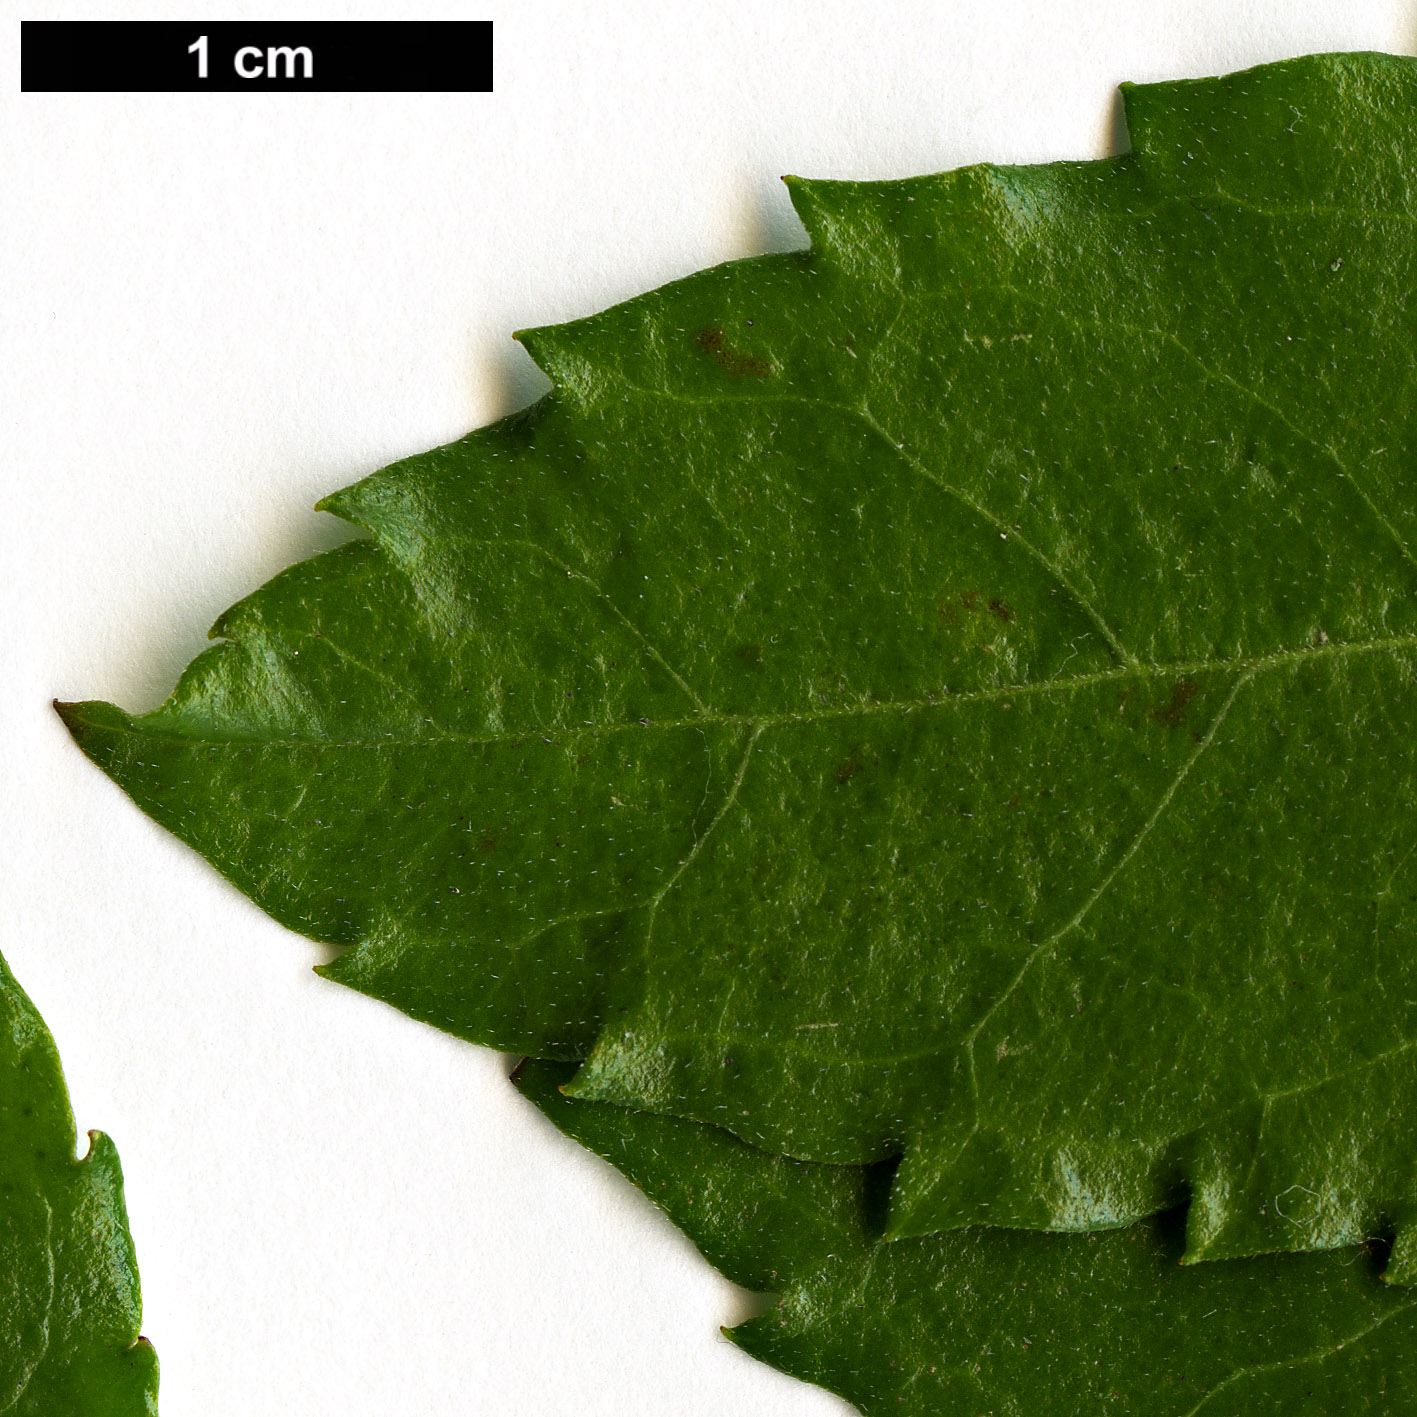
(86, 716)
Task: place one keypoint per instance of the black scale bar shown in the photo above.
(162, 56)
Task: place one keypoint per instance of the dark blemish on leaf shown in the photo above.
(488, 842)
(750, 654)
(847, 770)
(1175, 711)
(715, 342)
(952, 612)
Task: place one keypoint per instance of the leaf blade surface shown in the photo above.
(942, 692)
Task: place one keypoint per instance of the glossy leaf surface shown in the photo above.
(945, 692)
(70, 1305)
(1004, 1321)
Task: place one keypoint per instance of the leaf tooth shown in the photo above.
(1332, 122)
(817, 202)
(1401, 1267)
(847, 224)
(404, 506)
(393, 509)
(354, 505)
(565, 354)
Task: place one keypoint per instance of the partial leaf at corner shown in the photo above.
(70, 1304)
(1000, 1321)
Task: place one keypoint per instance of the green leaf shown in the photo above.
(69, 1299)
(944, 693)
(1001, 1321)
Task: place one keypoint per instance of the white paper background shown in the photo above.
(217, 308)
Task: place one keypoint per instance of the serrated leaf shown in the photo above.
(70, 1305)
(945, 692)
(1001, 1321)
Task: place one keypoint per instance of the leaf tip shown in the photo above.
(88, 717)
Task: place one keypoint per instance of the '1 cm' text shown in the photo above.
(253, 63)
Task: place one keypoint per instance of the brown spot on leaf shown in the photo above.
(847, 770)
(750, 654)
(488, 842)
(714, 342)
(1171, 715)
(954, 610)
